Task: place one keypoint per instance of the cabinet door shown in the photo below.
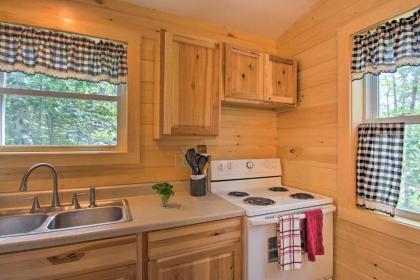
(207, 251)
(244, 74)
(69, 260)
(280, 80)
(219, 263)
(117, 273)
(190, 92)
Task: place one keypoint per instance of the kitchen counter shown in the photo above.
(147, 215)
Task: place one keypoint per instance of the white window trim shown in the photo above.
(119, 98)
(371, 110)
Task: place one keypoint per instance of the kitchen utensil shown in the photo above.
(191, 158)
(201, 162)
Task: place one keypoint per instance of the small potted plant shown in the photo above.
(165, 191)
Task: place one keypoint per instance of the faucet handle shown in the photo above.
(75, 201)
(92, 197)
(35, 204)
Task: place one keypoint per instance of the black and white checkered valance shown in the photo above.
(379, 164)
(62, 55)
(391, 45)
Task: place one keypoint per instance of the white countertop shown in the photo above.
(147, 215)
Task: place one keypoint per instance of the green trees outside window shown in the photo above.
(399, 95)
(42, 120)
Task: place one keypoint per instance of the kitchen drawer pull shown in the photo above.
(66, 258)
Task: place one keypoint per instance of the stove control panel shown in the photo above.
(244, 169)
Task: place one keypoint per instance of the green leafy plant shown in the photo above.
(165, 190)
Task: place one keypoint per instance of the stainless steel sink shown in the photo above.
(85, 217)
(20, 222)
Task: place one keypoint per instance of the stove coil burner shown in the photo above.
(261, 201)
(278, 189)
(238, 194)
(302, 196)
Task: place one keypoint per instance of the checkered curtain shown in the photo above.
(391, 45)
(379, 164)
(62, 55)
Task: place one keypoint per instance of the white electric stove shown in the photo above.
(256, 186)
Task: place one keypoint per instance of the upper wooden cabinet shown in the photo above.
(190, 84)
(203, 251)
(259, 79)
(280, 80)
(243, 73)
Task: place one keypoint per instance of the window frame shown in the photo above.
(129, 151)
(350, 114)
(121, 107)
(371, 111)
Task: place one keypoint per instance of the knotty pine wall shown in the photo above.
(244, 133)
(307, 142)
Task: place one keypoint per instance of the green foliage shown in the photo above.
(399, 94)
(33, 120)
(164, 189)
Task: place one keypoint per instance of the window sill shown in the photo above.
(397, 227)
(61, 151)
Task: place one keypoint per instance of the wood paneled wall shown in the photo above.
(244, 133)
(307, 141)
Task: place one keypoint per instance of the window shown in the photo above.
(39, 110)
(60, 89)
(395, 97)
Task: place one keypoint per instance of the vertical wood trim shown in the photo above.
(228, 69)
(142, 269)
(158, 86)
(268, 75)
(216, 90)
(174, 94)
(1, 110)
(168, 79)
(139, 251)
(260, 79)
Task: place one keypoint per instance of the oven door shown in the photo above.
(261, 251)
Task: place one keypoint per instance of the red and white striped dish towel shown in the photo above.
(289, 242)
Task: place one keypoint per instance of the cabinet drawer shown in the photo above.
(69, 260)
(189, 238)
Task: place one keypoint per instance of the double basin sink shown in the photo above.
(21, 222)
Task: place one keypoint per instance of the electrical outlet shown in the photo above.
(202, 149)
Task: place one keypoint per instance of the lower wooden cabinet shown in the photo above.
(217, 263)
(105, 259)
(208, 251)
(127, 272)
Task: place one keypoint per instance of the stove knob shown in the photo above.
(220, 167)
(249, 164)
(229, 165)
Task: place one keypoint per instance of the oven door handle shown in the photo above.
(273, 219)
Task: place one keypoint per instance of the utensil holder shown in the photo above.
(198, 185)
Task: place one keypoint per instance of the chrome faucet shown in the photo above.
(24, 184)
